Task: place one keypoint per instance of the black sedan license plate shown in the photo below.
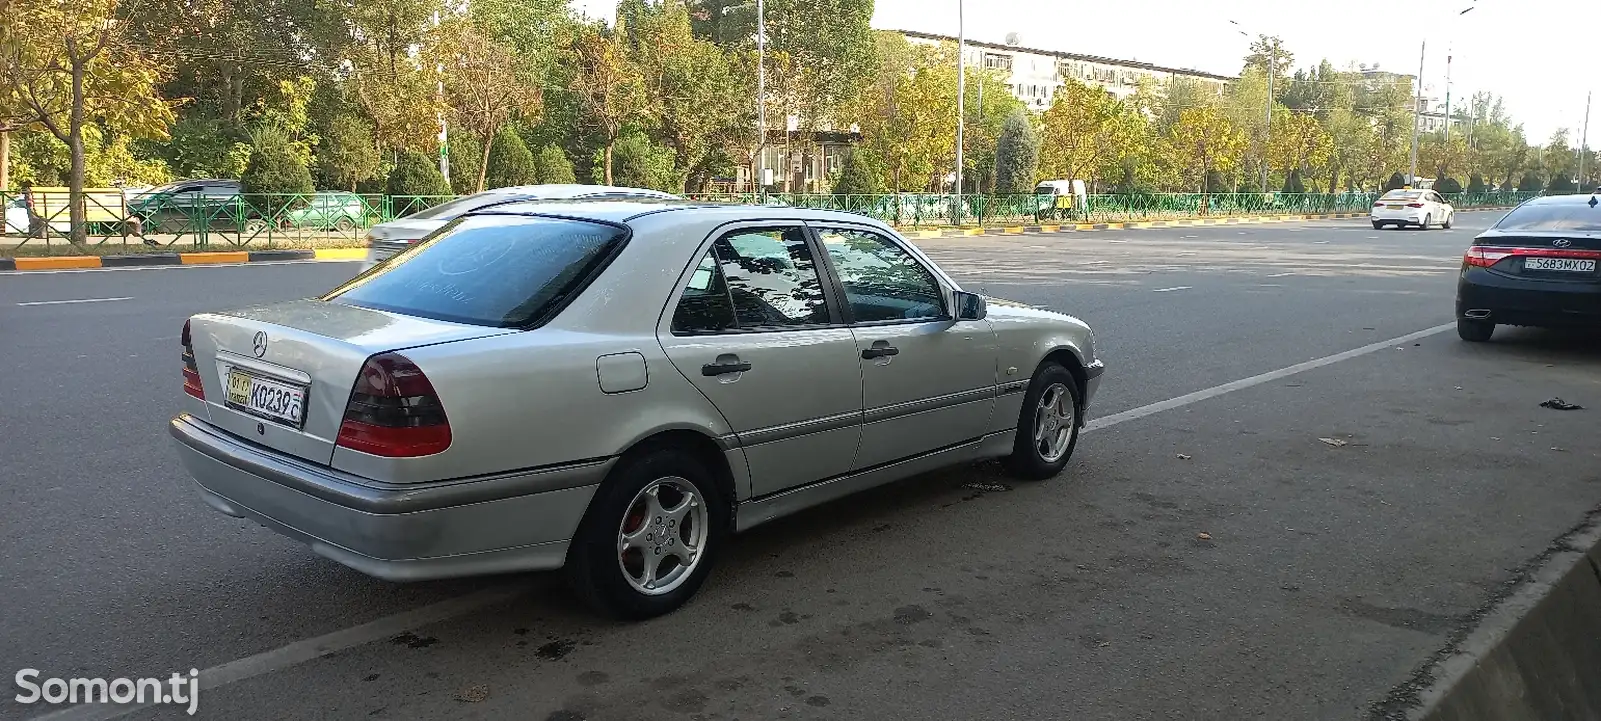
(274, 400)
(1565, 265)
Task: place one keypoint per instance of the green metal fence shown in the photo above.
(198, 221)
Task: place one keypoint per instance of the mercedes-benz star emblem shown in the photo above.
(1561, 242)
(259, 343)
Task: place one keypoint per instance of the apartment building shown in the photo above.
(1034, 74)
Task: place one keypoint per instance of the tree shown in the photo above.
(607, 88)
(1087, 134)
(1293, 183)
(487, 85)
(1017, 155)
(862, 173)
(466, 163)
(553, 167)
(689, 84)
(1204, 142)
(826, 50)
(67, 66)
(1298, 143)
(509, 163)
(912, 124)
(416, 174)
(346, 155)
(1265, 50)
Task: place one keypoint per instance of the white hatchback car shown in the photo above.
(1422, 208)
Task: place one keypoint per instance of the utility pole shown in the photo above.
(444, 128)
(1448, 52)
(1417, 119)
(760, 171)
(1584, 139)
(961, 90)
(1272, 70)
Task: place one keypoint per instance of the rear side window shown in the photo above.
(1553, 218)
(487, 270)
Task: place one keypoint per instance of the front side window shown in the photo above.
(753, 279)
(882, 281)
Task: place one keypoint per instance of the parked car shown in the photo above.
(387, 239)
(1535, 267)
(17, 217)
(190, 206)
(330, 210)
(1422, 208)
(613, 388)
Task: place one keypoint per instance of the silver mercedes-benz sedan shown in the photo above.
(386, 239)
(614, 388)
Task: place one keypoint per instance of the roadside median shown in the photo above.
(138, 260)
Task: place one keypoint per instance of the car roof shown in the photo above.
(573, 190)
(624, 210)
(1572, 199)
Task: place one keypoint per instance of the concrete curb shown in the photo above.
(143, 260)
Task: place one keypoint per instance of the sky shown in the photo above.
(1514, 48)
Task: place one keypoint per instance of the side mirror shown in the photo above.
(970, 306)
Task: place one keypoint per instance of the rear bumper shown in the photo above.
(1412, 216)
(1522, 301)
(398, 532)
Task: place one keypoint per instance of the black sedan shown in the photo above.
(1536, 267)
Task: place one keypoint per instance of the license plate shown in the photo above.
(1566, 265)
(1395, 207)
(274, 400)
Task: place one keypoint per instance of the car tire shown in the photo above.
(1035, 454)
(612, 581)
(1474, 331)
(1428, 220)
(1448, 218)
(1377, 225)
(344, 225)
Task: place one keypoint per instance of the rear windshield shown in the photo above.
(1403, 195)
(1553, 218)
(452, 209)
(487, 270)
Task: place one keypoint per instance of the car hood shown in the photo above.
(1012, 309)
(405, 229)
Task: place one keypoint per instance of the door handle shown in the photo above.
(880, 349)
(725, 366)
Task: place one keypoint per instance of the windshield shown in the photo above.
(450, 210)
(1554, 218)
(488, 270)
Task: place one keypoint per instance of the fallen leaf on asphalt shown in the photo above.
(1559, 450)
(1336, 442)
(1204, 536)
(1183, 457)
(473, 694)
(1104, 644)
(1561, 405)
(1459, 387)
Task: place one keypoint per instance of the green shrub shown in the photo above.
(1396, 182)
(1561, 185)
(553, 167)
(1449, 186)
(510, 163)
(274, 168)
(1530, 183)
(466, 157)
(1476, 184)
(416, 174)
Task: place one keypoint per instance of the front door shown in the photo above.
(927, 379)
(754, 330)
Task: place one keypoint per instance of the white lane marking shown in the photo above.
(1191, 236)
(197, 266)
(78, 300)
(1256, 380)
(1169, 290)
(1279, 275)
(312, 648)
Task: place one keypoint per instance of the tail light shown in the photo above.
(1414, 205)
(393, 411)
(191, 372)
(1485, 257)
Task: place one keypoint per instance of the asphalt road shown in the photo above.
(1328, 575)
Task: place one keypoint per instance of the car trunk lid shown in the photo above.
(1540, 255)
(281, 375)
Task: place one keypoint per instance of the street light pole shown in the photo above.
(1584, 139)
(1417, 118)
(961, 91)
(1272, 70)
(761, 97)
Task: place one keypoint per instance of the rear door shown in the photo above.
(758, 332)
(927, 379)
